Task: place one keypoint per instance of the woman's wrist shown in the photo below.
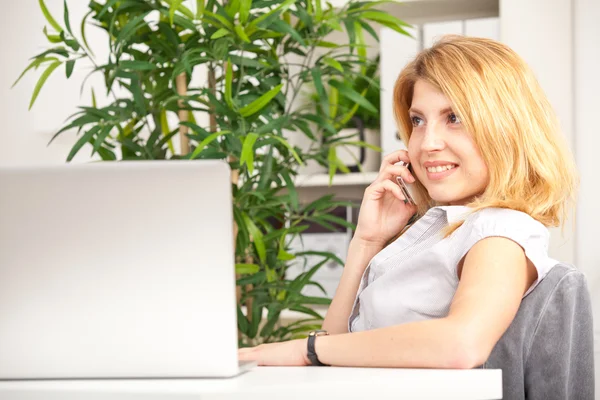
(367, 245)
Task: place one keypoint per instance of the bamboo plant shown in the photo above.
(249, 50)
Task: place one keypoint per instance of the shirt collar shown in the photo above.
(455, 213)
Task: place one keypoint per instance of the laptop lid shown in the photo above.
(117, 270)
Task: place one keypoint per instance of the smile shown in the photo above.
(440, 172)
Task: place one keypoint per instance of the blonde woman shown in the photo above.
(490, 172)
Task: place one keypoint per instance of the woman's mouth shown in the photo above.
(440, 172)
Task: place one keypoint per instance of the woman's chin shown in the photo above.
(446, 199)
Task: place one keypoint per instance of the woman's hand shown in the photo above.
(383, 212)
(291, 353)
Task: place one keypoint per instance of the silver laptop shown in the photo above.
(117, 270)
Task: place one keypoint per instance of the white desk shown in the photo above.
(268, 383)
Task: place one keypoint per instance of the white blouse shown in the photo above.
(415, 277)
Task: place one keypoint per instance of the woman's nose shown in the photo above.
(433, 140)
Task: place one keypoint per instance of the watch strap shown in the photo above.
(311, 352)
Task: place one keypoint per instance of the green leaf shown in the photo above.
(87, 137)
(199, 8)
(164, 126)
(290, 148)
(353, 95)
(101, 137)
(181, 8)
(306, 310)
(131, 27)
(105, 9)
(268, 328)
(34, 64)
(362, 50)
(232, 7)
(219, 18)
(220, 33)
(69, 68)
(313, 300)
(333, 63)
(335, 24)
(261, 102)
(324, 100)
(106, 154)
(302, 279)
(362, 144)
(207, 141)
(318, 10)
(256, 319)
(396, 28)
(241, 33)
(336, 220)
(67, 22)
(45, 75)
(174, 6)
(284, 255)
(329, 45)
(274, 125)
(61, 51)
(83, 36)
(333, 102)
(257, 238)
(332, 159)
(228, 85)
(350, 113)
(245, 6)
(279, 9)
(246, 269)
(94, 102)
(327, 255)
(49, 17)
(242, 320)
(247, 156)
(380, 16)
(369, 29)
(137, 65)
(283, 27)
(52, 38)
(291, 188)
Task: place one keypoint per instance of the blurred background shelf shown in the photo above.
(288, 315)
(322, 180)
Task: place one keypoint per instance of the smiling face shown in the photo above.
(444, 157)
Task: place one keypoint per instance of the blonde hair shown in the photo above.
(501, 104)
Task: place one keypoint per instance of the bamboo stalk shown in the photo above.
(212, 86)
(181, 82)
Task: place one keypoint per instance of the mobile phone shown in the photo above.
(404, 187)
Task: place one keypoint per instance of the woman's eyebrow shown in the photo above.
(442, 112)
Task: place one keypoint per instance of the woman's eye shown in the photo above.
(453, 118)
(416, 121)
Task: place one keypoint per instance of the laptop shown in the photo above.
(118, 270)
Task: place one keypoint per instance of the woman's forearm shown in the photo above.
(437, 343)
(359, 255)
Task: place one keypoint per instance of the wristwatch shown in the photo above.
(312, 354)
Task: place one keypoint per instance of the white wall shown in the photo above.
(541, 32)
(559, 38)
(587, 144)
(25, 134)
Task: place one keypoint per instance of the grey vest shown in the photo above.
(548, 350)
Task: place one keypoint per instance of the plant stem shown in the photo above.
(181, 82)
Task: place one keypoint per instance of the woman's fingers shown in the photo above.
(391, 171)
(379, 188)
(393, 158)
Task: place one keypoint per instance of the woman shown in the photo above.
(490, 172)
